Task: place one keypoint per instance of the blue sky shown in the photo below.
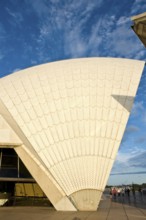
(33, 32)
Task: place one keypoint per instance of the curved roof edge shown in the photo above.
(73, 60)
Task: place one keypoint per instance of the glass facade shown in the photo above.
(17, 186)
(11, 165)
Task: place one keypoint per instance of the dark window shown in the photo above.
(11, 165)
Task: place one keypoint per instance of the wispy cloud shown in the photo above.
(138, 161)
(39, 6)
(16, 18)
(129, 160)
(121, 41)
(139, 6)
(128, 173)
(68, 29)
(132, 128)
(122, 20)
(130, 132)
(138, 107)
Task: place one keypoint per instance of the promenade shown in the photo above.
(121, 208)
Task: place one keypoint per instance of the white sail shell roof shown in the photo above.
(73, 113)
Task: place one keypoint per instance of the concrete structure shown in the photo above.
(66, 120)
(139, 26)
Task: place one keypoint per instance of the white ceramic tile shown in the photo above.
(68, 112)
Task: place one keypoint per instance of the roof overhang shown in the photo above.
(139, 27)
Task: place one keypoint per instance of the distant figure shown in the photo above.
(119, 191)
(114, 192)
(128, 192)
(133, 191)
(140, 191)
(123, 192)
(110, 193)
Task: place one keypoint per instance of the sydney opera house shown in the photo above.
(65, 120)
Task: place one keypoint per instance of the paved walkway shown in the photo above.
(121, 208)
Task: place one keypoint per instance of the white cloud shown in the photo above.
(95, 39)
(71, 20)
(74, 44)
(126, 156)
(122, 158)
(138, 160)
(77, 45)
(99, 33)
(123, 43)
(66, 26)
(129, 160)
(123, 20)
